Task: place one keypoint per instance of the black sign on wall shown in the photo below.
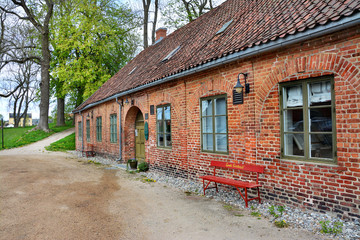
(146, 116)
(237, 97)
(152, 110)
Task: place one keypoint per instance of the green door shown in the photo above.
(139, 137)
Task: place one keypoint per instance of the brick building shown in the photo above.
(298, 115)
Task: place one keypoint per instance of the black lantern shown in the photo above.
(238, 93)
(238, 87)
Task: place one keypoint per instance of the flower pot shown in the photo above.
(133, 164)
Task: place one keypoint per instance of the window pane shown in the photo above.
(160, 140)
(167, 112)
(159, 112)
(208, 142)
(294, 120)
(168, 126)
(220, 106)
(321, 120)
(293, 96)
(221, 142)
(220, 124)
(294, 144)
(207, 124)
(206, 107)
(320, 93)
(168, 140)
(160, 126)
(321, 145)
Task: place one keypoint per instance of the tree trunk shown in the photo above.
(155, 21)
(60, 119)
(45, 72)
(45, 82)
(146, 5)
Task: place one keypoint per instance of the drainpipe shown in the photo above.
(82, 132)
(120, 131)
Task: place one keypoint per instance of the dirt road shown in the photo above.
(58, 196)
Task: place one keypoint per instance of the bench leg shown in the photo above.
(246, 198)
(259, 194)
(204, 186)
(216, 187)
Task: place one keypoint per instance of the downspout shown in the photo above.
(82, 132)
(120, 131)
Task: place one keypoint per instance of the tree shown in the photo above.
(26, 76)
(14, 41)
(91, 42)
(39, 15)
(178, 13)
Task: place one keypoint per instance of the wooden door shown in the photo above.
(139, 137)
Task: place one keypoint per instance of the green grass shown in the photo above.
(65, 144)
(16, 137)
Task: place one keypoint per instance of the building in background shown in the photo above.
(21, 123)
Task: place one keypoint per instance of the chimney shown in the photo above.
(160, 34)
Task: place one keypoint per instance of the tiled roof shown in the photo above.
(255, 22)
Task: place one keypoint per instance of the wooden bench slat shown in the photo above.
(232, 182)
(238, 166)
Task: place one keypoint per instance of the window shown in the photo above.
(214, 134)
(308, 120)
(163, 119)
(98, 129)
(88, 130)
(80, 131)
(113, 129)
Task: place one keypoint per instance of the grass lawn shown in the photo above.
(16, 137)
(65, 144)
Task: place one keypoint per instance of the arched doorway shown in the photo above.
(139, 137)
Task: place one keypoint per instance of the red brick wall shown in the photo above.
(254, 127)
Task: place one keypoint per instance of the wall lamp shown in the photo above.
(90, 114)
(238, 87)
(127, 101)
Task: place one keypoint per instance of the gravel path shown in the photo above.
(45, 195)
(38, 147)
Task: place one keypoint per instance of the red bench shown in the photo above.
(89, 151)
(236, 183)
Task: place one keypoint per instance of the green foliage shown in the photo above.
(228, 207)
(16, 137)
(335, 228)
(93, 162)
(255, 214)
(281, 224)
(276, 212)
(143, 166)
(91, 41)
(145, 179)
(65, 144)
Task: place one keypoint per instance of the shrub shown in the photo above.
(143, 166)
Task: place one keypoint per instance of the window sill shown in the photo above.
(302, 162)
(215, 153)
(164, 148)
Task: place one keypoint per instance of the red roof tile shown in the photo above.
(254, 23)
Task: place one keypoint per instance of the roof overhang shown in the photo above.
(317, 31)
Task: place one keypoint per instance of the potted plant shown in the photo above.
(133, 163)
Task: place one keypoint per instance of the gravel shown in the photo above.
(295, 217)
